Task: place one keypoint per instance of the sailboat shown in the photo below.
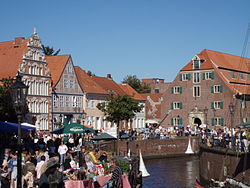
(142, 167)
(189, 148)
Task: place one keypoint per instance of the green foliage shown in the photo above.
(49, 50)
(125, 166)
(119, 108)
(136, 83)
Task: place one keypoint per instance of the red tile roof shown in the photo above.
(131, 92)
(87, 84)
(108, 85)
(56, 65)
(224, 64)
(11, 54)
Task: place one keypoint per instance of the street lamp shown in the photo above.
(19, 93)
(231, 110)
(205, 112)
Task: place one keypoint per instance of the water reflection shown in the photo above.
(171, 172)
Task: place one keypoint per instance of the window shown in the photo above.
(70, 68)
(55, 101)
(248, 76)
(66, 83)
(196, 91)
(208, 75)
(176, 90)
(176, 121)
(67, 101)
(244, 120)
(232, 74)
(243, 104)
(71, 83)
(216, 89)
(61, 101)
(196, 63)
(157, 90)
(92, 104)
(217, 105)
(241, 76)
(218, 121)
(176, 105)
(185, 77)
(196, 77)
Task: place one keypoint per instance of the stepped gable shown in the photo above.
(11, 54)
(131, 92)
(225, 65)
(87, 84)
(56, 65)
(108, 85)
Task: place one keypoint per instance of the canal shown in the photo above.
(171, 172)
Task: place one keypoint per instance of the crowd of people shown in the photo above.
(48, 161)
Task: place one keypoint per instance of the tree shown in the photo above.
(7, 112)
(119, 108)
(136, 83)
(49, 51)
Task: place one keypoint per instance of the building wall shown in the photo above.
(68, 97)
(193, 107)
(156, 85)
(36, 75)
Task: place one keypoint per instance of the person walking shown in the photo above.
(62, 150)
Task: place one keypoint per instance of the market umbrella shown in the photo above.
(73, 128)
(49, 163)
(6, 127)
(244, 125)
(103, 136)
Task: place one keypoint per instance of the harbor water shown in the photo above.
(171, 172)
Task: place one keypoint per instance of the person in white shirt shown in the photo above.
(62, 150)
(39, 167)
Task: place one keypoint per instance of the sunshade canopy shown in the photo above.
(8, 127)
(73, 128)
(104, 136)
(245, 125)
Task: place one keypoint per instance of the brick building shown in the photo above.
(156, 85)
(210, 89)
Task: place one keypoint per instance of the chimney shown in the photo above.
(109, 76)
(19, 40)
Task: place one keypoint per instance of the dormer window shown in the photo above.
(196, 62)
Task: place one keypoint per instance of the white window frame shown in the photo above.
(217, 121)
(176, 90)
(243, 104)
(194, 91)
(176, 121)
(217, 104)
(184, 76)
(176, 105)
(196, 77)
(208, 76)
(217, 88)
(61, 101)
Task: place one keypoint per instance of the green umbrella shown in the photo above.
(73, 128)
(104, 136)
(244, 125)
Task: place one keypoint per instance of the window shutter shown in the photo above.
(221, 89)
(180, 77)
(221, 105)
(180, 89)
(180, 105)
(221, 121)
(212, 89)
(212, 121)
(172, 121)
(189, 76)
(212, 105)
(172, 106)
(180, 121)
(172, 90)
(212, 75)
(203, 75)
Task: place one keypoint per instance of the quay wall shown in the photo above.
(221, 163)
(157, 148)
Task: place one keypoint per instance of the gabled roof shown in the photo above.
(87, 84)
(225, 64)
(131, 92)
(108, 85)
(56, 65)
(11, 54)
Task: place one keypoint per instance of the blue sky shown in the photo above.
(146, 38)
